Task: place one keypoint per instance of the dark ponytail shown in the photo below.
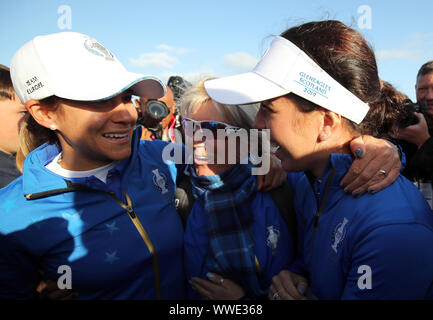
(387, 111)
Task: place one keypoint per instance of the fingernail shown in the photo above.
(359, 153)
(356, 195)
(210, 275)
(346, 190)
(371, 190)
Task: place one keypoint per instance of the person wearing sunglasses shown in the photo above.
(319, 88)
(236, 239)
(230, 221)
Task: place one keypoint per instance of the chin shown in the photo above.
(120, 155)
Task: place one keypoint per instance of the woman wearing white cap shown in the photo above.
(93, 207)
(319, 88)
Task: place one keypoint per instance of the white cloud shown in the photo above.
(397, 54)
(166, 47)
(420, 39)
(156, 59)
(240, 60)
(415, 47)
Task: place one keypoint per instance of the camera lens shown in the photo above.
(156, 109)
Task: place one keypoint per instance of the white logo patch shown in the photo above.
(338, 235)
(273, 238)
(160, 181)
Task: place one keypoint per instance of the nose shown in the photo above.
(123, 111)
(259, 122)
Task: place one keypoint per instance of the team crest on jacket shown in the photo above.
(338, 235)
(273, 238)
(160, 181)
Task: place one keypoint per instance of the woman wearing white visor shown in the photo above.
(319, 88)
(94, 206)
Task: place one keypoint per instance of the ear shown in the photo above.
(42, 115)
(331, 121)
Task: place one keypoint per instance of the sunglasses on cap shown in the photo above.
(213, 126)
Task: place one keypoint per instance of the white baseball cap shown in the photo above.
(285, 68)
(75, 66)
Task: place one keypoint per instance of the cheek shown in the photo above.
(81, 125)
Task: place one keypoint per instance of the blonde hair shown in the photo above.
(33, 135)
(238, 115)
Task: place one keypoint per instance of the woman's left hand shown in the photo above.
(274, 178)
(217, 288)
(376, 166)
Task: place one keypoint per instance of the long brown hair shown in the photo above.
(33, 135)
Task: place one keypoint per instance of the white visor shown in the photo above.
(285, 68)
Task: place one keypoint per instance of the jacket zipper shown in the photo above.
(322, 207)
(131, 213)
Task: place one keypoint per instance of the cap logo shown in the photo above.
(312, 85)
(98, 49)
(33, 84)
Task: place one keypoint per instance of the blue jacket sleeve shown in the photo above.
(196, 245)
(393, 261)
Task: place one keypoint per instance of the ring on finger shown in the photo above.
(275, 296)
(382, 171)
(221, 281)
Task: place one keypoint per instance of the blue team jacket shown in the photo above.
(47, 222)
(375, 247)
(273, 243)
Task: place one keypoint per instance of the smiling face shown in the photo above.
(93, 134)
(206, 148)
(296, 133)
(424, 91)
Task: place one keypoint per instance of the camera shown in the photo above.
(409, 117)
(154, 112)
(155, 109)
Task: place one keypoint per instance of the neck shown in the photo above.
(76, 163)
(319, 166)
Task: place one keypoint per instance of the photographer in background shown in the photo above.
(419, 146)
(160, 118)
(11, 114)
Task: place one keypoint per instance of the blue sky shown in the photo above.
(194, 38)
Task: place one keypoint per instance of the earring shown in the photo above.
(324, 135)
(53, 127)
